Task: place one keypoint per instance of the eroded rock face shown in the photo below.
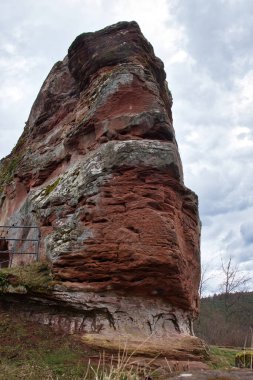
(98, 170)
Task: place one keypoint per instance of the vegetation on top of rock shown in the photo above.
(34, 277)
(9, 164)
(7, 170)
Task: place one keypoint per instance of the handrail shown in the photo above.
(15, 239)
(20, 227)
(32, 250)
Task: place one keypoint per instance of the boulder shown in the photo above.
(97, 169)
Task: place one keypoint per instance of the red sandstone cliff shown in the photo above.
(97, 168)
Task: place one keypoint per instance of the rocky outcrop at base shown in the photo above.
(111, 323)
(97, 168)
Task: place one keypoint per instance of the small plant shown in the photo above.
(244, 359)
(120, 367)
(3, 281)
(51, 187)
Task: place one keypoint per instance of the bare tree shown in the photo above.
(233, 278)
(233, 284)
(225, 317)
(204, 279)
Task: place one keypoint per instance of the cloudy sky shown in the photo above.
(207, 49)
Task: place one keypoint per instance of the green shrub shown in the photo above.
(244, 359)
(33, 277)
(3, 281)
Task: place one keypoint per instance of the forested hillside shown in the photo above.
(226, 319)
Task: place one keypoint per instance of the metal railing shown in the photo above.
(9, 245)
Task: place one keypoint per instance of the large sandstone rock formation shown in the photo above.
(97, 168)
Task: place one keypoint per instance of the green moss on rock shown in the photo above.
(51, 187)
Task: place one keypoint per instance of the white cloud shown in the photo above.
(9, 48)
(242, 99)
(9, 95)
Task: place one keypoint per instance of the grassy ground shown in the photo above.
(222, 358)
(32, 351)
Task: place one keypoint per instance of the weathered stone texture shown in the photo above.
(98, 170)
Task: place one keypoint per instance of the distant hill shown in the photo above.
(226, 319)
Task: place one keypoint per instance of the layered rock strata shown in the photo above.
(97, 168)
